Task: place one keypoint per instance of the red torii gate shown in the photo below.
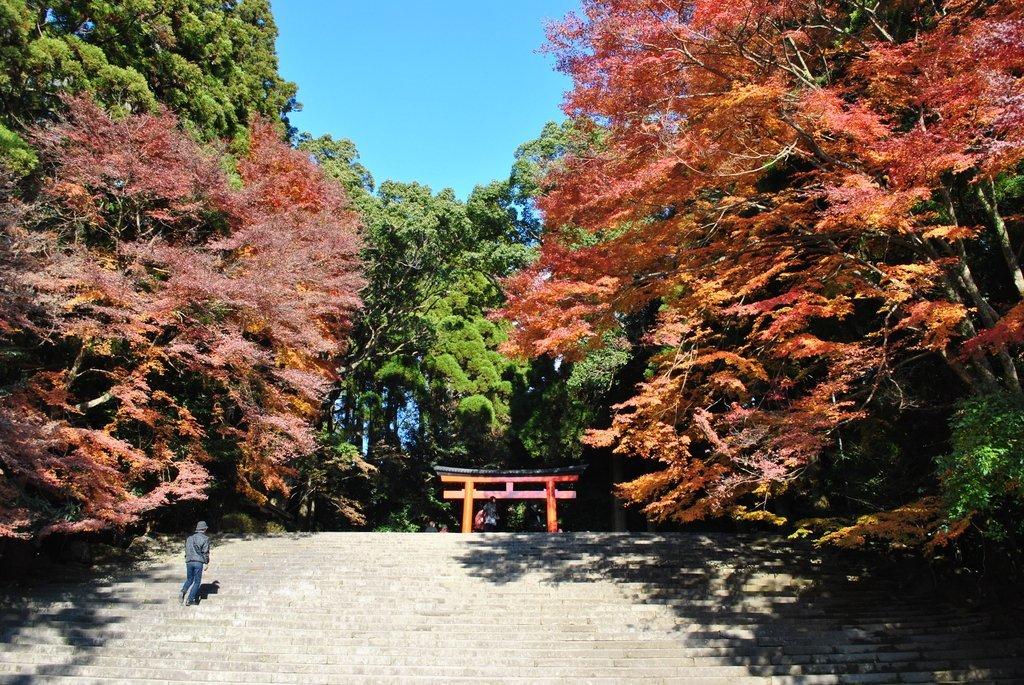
(471, 477)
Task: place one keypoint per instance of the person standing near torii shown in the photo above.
(490, 511)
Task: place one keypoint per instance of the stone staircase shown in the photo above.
(587, 607)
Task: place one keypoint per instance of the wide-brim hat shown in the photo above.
(201, 527)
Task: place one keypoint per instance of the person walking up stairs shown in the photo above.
(197, 558)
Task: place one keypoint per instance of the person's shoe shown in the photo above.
(184, 594)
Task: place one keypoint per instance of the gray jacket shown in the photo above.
(197, 548)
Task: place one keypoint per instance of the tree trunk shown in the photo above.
(618, 510)
(1002, 235)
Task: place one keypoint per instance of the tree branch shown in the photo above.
(999, 226)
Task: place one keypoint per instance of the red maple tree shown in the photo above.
(183, 330)
(808, 191)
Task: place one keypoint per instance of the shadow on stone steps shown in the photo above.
(786, 609)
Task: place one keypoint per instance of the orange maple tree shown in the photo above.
(808, 190)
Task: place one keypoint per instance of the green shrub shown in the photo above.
(401, 520)
(983, 476)
(15, 154)
(239, 522)
(515, 517)
(246, 524)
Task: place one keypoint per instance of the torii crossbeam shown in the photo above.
(470, 478)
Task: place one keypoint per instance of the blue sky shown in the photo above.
(436, 91)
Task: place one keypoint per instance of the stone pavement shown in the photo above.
(435, 608)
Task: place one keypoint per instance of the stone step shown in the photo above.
(297, 612)
(327, 674)
(97, 673)
(710, 625)
(399, 680)
(745, 650)
(338, 663)
(767, 636)
(559, 595)
(617, 649)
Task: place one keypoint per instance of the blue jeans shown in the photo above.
(193, 579)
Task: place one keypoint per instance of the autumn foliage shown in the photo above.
(169, 328)
(809, 193)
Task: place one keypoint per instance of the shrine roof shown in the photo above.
(498, 473)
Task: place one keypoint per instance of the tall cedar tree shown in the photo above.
(809, 192)
(165, 327)
(212, 62)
